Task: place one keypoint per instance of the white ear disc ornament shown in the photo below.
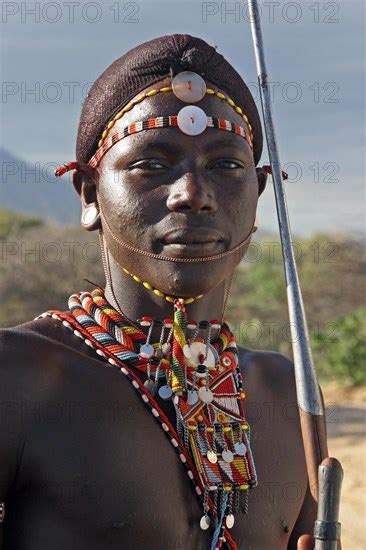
(89, 214)
(188, 86)
(192, 120)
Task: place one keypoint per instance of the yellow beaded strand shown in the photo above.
(168, 298)
(138, 99)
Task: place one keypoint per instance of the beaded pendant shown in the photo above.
(214, 427)
(207, 384)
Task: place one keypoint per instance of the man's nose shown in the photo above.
(191, 194)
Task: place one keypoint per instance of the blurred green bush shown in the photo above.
(344, 355)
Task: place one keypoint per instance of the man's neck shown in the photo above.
(134, 301)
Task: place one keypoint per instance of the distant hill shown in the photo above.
(32, 189)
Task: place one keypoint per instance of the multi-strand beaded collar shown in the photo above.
(204, 383)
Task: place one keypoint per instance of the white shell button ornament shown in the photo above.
(205, 395)
(166, 348)
(212, 456)
(188, 86)
(227, 455)
(192, 397)
(230, 520)
(205, 522)
(187, 351)
(192, 120)
(198, 348)
(195, 349)
(240, 448)
(146, 350)
(165, 392)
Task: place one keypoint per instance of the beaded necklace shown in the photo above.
(204, 382)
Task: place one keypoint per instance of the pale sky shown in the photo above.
(315, 57)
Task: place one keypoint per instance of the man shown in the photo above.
(84, 464)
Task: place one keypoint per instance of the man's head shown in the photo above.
(162, 191)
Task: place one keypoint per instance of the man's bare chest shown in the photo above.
(98, 465)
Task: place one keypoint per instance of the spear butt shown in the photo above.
(327, 529)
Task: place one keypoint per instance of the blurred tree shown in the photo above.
(341, 351)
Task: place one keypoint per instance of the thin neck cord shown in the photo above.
(227, 294)
(107, 272)
(169, 258)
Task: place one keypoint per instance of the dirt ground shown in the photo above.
(346, 425)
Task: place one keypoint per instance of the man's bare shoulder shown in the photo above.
(35, 356)
(31, 339)
(264, 359)
(268, 371)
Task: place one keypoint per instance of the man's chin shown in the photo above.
(188, 280)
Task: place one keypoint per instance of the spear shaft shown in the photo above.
(308, 393)
(325, 474)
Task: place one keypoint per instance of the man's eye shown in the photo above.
(150, 164)
(227, 164)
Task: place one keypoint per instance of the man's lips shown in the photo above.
(197, 235)
(196, 242)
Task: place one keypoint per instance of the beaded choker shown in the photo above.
(202, 379)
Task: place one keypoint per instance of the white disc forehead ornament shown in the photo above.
(188, 86)
(192, 120)
(193, 352)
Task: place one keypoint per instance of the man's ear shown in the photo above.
(262, 179)
(85, 182)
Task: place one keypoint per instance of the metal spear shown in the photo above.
(326, 476)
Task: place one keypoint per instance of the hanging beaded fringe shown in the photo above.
(218, 533)
(179, 386)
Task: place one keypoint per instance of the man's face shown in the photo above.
(181, 196)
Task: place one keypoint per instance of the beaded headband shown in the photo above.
(191, 120)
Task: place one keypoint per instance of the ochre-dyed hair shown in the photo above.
(151, 62)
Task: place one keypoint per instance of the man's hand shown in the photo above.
(305, 542)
